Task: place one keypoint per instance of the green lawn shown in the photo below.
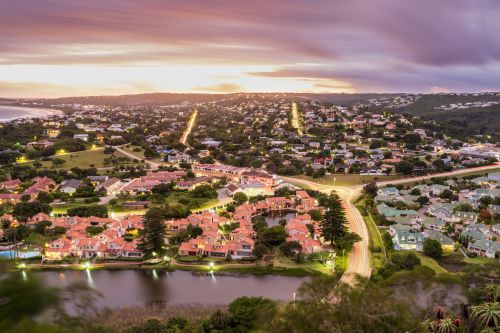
(130, 149)
(82, 159)
(481, 261)
(346, 180)
(62, 209)
(431, 263)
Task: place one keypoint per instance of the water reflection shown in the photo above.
(274, 218)
(142, 287)
(90, 281)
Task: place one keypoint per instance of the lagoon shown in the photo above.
(120, 288)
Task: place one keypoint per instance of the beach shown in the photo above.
(8, 113)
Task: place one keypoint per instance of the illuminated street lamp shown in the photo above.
(86, 265)
(211, 265)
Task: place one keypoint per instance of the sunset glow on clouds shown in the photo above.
(94, 47)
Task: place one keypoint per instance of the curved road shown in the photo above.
(154, 165)
(359, 258)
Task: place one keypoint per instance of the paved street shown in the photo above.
(359, 258)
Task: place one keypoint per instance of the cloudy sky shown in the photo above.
(54, 48)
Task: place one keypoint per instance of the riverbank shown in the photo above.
(9, 113)
(224, 269)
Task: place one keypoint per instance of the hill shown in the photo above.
(469, 121)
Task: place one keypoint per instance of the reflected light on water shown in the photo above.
(25, 276)
(155, 275)
(213, 276)
(89, 278)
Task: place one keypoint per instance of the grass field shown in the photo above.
(82, 159)
(281, 261)
(346, 180)
(482, 261)
(431, 263)
(130, 149)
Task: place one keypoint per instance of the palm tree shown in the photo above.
(486, 314)
(448, 325)
(430, 326)
(492, 292)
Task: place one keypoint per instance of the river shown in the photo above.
(120, 288)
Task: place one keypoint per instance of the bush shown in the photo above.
(291, 248)
(433, 248)
(404, 260)
(260, 250)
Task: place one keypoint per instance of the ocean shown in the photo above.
(8, 113)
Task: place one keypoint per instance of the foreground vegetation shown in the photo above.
(414, 299)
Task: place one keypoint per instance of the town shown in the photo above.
(250, 184)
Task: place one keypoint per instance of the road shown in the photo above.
(359, 258)
(189, 128)
(296, 123)
(153, 165)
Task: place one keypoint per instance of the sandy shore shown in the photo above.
(9, 113)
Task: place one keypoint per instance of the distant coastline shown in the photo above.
(9, 113)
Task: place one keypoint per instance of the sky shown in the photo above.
(53, 48)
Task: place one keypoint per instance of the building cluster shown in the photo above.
(13, 193)
(74, 239)
(240, 241)
(458, 211)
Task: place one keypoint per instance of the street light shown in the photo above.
(211, 265)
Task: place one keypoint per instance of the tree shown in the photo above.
(87, 211)
(387, 239)
(404, 260)
(219, 320)
(422, 200)
(486, 314)
(240, 198)
(334, 221)
(260, 250)
(94, 230)
(272, 236)
(347, 241)
(204, 191)
(446, 194)
(162, 189)
(368, 307)
(291, 248)
(415, 191)
(405, 167)
(194, 230)
(371, 189)
(244, 311)
(259, 223)
(315, 214)
(153, 231)
(433, 248)
(156, 325)
(41, 226)
(24, 210)
(58, 162)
